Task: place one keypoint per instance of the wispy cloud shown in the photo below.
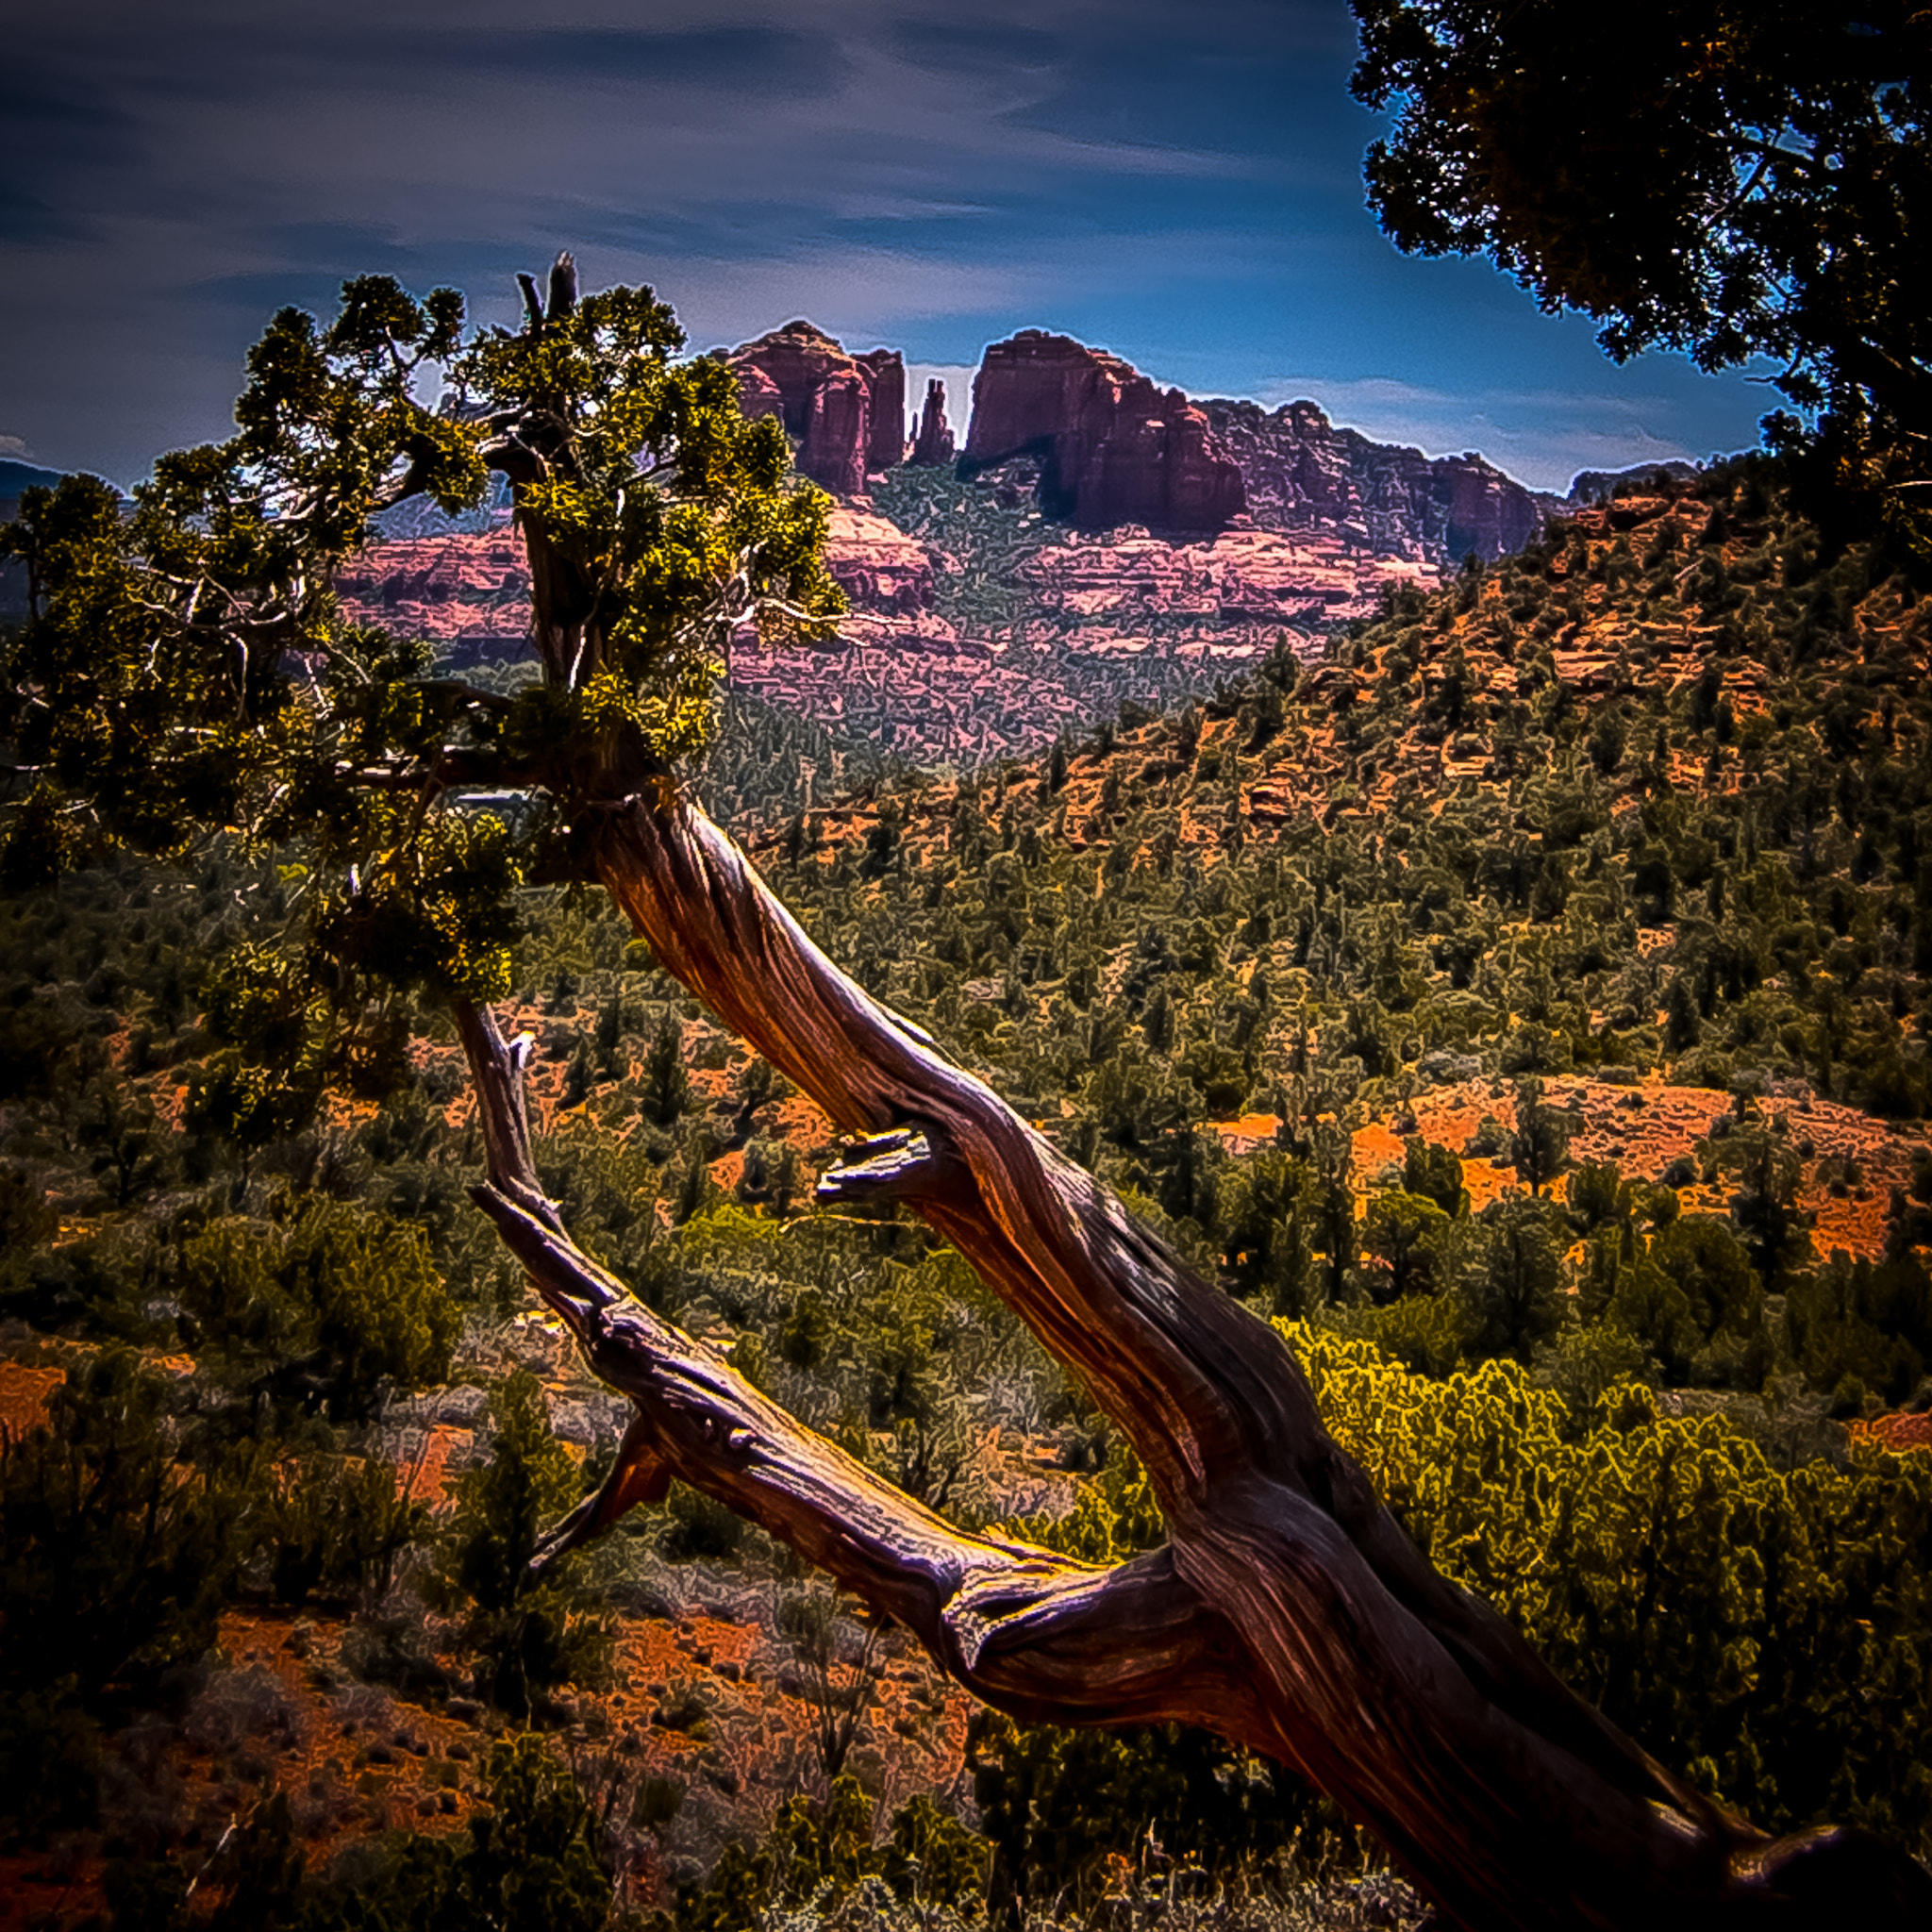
(1180, 184)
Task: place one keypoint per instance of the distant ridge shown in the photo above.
(17, 477)
(1599, 486)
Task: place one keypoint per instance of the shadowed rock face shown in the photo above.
(1304, 474)
(932, 437)
(886, 438)
(1112, 448)
(846, 414)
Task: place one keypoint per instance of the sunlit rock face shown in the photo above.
(1112, 448)
(1303, 474)
(845, 414)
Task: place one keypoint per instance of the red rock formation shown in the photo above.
(757, 394)
(1244, 586)
(886, 445)
(1112, 448)
(877, 566)
(1304, 474)
(469, 594)
(845, 413)
(932, 435)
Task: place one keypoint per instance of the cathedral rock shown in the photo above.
(1112, 448)
(845, 414)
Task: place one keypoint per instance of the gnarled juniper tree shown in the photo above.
(187, 668)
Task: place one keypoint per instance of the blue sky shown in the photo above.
(1180, 184)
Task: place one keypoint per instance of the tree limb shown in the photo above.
(1415, 1705)
(1035, 1633)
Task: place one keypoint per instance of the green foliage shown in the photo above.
(1728, 179)
(666, 1092)
(1403, 1236)
(1858, 1327)
(818, 1853)
(1435, 1173)
(116, 1558)
(336, 1527)
(116, 1553)
(1540, 1145)
(1059, 1806)
(329, 1309)
(527, 1863)
(1733, 1616)
(1511, 1287)
(185, 670)
(530, 1635)
(1114, 1516)
(837, 1688)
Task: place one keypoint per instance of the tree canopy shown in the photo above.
(1721, 177)
(184, 667)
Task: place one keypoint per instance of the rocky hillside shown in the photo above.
(1528, 1000)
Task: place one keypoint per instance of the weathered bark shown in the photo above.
(1289, 1610)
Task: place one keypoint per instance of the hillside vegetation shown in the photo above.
(1525, 1003)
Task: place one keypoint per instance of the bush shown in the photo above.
(818, 1853)
(526, 1864)
(1059, 1805)
(1764, 1629)
(328, 1311)
(115, 1561)
(112, 1553)
(529, 1635)
(335, 1527)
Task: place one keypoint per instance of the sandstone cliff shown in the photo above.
(846, 414)
(1303, 475)
(1112, 448)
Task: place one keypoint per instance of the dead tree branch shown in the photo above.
(1289, 1611)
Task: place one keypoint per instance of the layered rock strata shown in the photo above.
(845, 414)
(1112, 448)
(1303, 475)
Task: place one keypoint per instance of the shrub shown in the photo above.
(112, 1552)
(115, 1559)
(1765, 1629)
(336, 1525)
(529, 1635)
(329, 1309)
(818, 1853)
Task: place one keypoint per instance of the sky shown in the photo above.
(1178, 183)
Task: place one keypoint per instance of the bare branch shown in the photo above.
(1035, 1633)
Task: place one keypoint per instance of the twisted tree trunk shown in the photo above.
(1289, 1610)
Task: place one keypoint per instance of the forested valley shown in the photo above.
(1525, 1003)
